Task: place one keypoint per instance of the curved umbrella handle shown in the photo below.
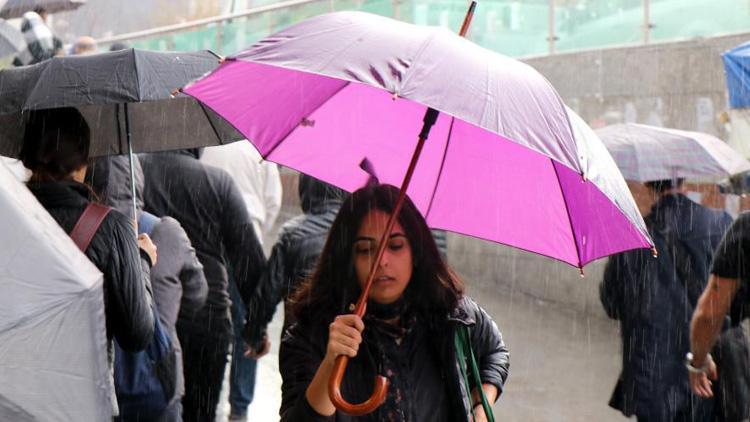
(334, 391)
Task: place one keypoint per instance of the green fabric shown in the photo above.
(464, 352)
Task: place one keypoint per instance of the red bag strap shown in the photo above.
(88, 223)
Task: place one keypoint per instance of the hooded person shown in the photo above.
(294, 255)
(41, 42)
(177, 279)
(208, 204)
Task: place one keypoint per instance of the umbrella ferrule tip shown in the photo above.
(654, 252)
(582, 273)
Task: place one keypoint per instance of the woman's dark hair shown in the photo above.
(434, 289)
(55, 143)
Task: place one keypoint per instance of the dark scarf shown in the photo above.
(380, 319)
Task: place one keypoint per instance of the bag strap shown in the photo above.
(88, 223)
(465, 352)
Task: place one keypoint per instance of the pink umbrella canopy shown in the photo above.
(506, 161)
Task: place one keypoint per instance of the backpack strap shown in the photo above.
(88, 223)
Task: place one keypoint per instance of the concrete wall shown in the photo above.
(678, 85)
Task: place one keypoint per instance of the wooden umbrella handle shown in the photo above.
(377, 398)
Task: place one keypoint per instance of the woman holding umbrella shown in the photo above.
(415, 308)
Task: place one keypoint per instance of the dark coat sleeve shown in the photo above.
(612, 287)
(243, 249)
(300, 355)
(194, 284)
(268, 294)
(129, 299)
(491, 353)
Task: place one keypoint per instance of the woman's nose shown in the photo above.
(386, 258)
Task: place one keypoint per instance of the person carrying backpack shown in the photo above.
(148, 391)
(56, 149)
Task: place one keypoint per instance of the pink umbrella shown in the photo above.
(505, 161)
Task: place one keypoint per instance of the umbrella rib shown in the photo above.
(442, 165)
(210, 122)
(567, 211)
(286, 135)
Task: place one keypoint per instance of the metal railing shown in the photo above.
(512, 27)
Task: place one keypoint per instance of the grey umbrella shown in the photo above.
(10, 9)
(126, 97)
(11, 39)
(648, 153)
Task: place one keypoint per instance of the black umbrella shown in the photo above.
(126, 97)
(16, 8)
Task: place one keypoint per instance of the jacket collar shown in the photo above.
(58, 194)
(665, 207)
(460, 314)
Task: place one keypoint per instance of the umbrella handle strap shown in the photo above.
(334, 391)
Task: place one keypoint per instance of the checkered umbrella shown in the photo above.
(648, 153)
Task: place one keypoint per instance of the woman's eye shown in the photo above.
(394, 246)
(363, 250)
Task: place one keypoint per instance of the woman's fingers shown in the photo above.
(344, 335)
(351, 320)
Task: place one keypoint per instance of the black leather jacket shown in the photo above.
(304, 346)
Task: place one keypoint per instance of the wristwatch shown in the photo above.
(703, 369)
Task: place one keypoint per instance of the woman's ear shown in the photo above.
(80, 174)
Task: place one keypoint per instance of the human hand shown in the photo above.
(259, 352)
(344, 336)
(701, 383)
(479, 415)
(145, 243)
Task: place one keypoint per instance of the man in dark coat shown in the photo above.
(177, 278)
(210, 208)
(654, 298)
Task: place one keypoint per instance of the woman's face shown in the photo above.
(395, 269)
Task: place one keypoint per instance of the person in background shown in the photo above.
(56, 150)
(726, 298)
(653, 300)
(177, 279)
(83, 46)
(41, 42)
(260, 186)
(209, 206)
(294, 255)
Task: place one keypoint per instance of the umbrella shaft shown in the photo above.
(132, 168)
(429, 120)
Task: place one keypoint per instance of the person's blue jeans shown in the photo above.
(242, 372)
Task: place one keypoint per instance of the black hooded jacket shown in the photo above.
(295, 253)
(210, 208)
(114, 251)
